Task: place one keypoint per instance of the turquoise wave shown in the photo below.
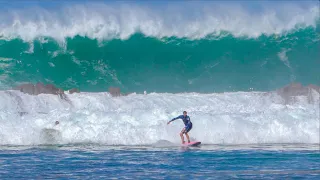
(213, 64)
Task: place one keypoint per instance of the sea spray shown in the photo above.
(137, 119)
(178, 48)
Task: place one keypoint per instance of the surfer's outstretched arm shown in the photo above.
(179, 117)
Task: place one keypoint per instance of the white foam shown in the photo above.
(193, 20)
(234, 118)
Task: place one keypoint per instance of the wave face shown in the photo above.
(226, 118)
(182, 47)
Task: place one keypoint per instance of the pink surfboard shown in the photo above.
(192, 143)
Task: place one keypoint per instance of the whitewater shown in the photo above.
(190, 20)
(178, 53)
(246, 72)
(181, 47)
(140, 119)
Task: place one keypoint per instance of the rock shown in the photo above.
(74, 90)
(126, 94)
(26, 88)
(315, 87)
(289, 92)
(294, 89)
(114, 91)
(39, 89)
(51, 89)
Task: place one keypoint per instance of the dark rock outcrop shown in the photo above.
(315, 87)
(114, 91)
(294, 89)
(289, 92)
(39, 88)
(125, 94)
(74, 90)
(51, 89)
(26, 88)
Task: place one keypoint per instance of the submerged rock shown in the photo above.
(114, 91)
(51, 89)
(26, 88)
(74, 90)
(315, 87)
(289, 92)
(39, 88)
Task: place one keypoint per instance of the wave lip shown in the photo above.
(193, 21)
(226, 118)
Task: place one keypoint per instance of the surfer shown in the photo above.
(188, 125)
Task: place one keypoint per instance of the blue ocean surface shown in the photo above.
(282, 161)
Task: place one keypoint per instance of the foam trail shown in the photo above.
(233, 118)
(192, 20)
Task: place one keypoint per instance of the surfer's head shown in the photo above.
(56, 123)
(184, 113)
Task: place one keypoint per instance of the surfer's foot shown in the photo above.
(183, 142)
(188, 141)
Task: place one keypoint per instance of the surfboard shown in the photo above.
(192, 143)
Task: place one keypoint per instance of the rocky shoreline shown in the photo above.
(40, 88)
(286, 92)
(290, 91)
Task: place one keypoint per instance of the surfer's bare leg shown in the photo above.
(187, 135)
(181, 135)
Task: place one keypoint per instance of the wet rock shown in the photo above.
(291, 91)
(125, 94)
(294, 89)
(114, 91)
(74, 90)
(51, 89)
(315, 87)
(39, 89)
(26, 88)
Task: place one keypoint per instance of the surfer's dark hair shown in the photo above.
(184, 112)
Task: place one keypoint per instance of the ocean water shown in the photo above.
(182, 47)
(250, 135)
(206, 162)
(221, 62)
